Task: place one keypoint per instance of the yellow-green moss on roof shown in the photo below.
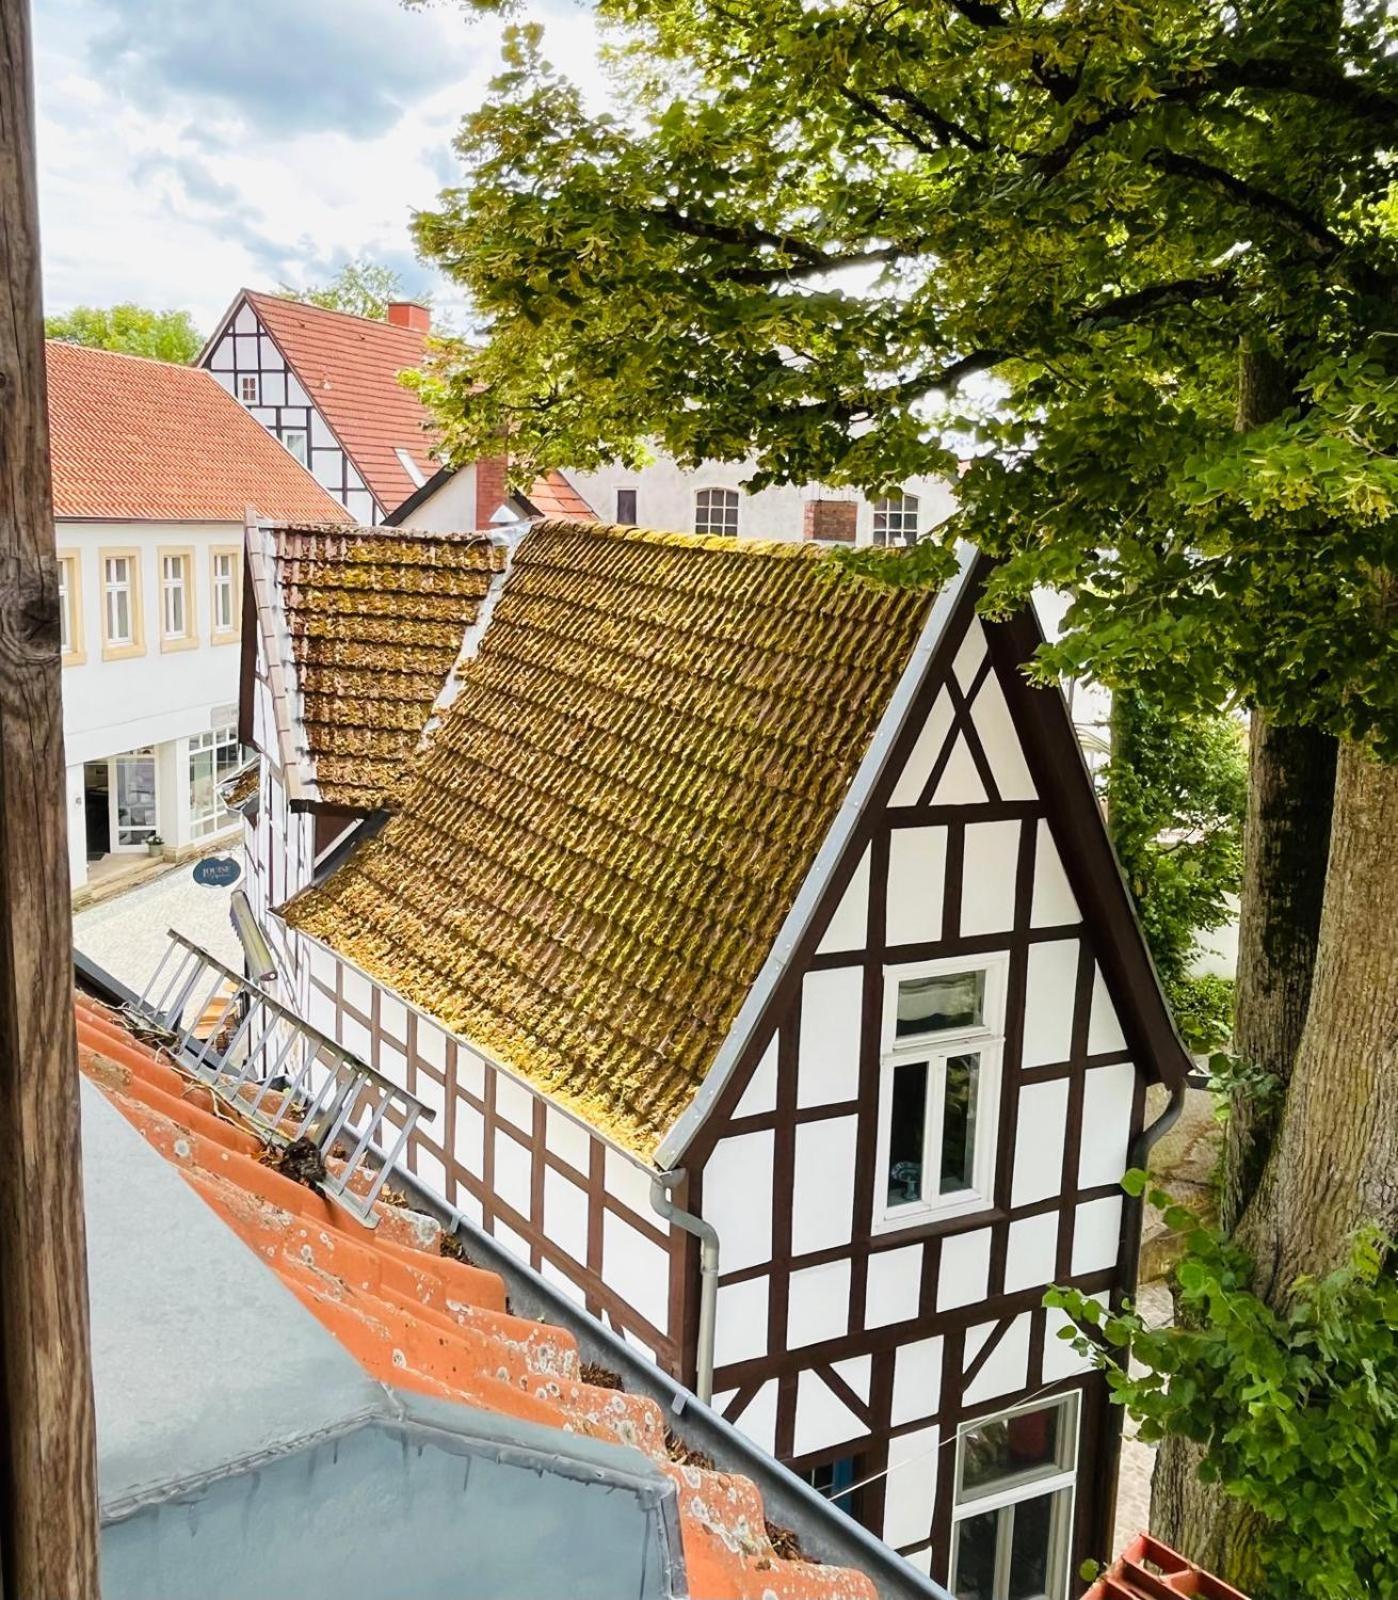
(594, 856)
(377, 619)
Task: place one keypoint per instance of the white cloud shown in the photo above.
(254, 141)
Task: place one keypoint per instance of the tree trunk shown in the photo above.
(1286, 842)
(1334, 1161)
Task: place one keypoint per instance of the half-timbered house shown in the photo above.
(329, 386)
(754, 932)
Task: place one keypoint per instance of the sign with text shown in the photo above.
(217, 872)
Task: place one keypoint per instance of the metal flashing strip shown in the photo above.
(672, 1147)
(826, 1532)
(508, 538)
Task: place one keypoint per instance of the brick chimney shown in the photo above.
(409, 314)
(491, 488)
(831, 520)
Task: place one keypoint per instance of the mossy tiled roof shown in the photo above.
(596, 852)
(377, 618)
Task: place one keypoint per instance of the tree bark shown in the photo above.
(48, 1471)
(1286, 842)
(1333, 1165)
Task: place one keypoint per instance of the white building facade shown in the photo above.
(150, 559)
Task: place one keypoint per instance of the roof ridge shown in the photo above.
(271, 295)
(664, 538)
(51, 342)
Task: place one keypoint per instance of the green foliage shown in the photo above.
(857, 241)
(362, 288)
(1202, 1003)
(1298, 1411)
(1176, 794)
(130, 329)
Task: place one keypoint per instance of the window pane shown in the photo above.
(949, 1000)
(135, 776)
(959, 1123)
(626, 507)
(1015, 1449)
(908, 1113)
(295, 441)
(976, 1539)
(1031, 1547)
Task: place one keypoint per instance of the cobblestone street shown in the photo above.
(126, 935)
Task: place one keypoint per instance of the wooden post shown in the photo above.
(48, 1469)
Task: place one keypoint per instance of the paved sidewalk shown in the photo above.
(127, 934)
(1137, 1459)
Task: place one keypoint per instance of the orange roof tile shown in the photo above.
(349, 366)
(151, 441)
(422, 1321)
(553, 496)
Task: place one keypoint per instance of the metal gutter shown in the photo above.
(661, 1186)
(826, 1533)
(812, 891)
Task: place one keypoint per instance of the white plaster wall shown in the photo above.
(112, 706)
(665, 496)
(450, 509)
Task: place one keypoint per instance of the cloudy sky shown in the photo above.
(190, 147)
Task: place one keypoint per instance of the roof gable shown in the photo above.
(367, 623)
(620, 808)
(141, 440)
(350, 367)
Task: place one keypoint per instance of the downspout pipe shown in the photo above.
(662, 1184)
(1133, 1215)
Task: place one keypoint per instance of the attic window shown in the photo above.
(939, 1094)
(248, 391)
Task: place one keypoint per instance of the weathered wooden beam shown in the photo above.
(48, 1469)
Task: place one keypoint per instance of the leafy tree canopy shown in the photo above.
(1176, 793)
(859, 239)
(363, 288)
(129, 329)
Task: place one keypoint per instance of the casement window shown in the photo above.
(177, 631)
(298, 442)
(122, 633)
(226, 564)
(70, 608)
(895, 520)
(716, 511)
(1013, 1513)
(213, 757)
(248, 389)
(939, 1091)
(626, 508)
(837, 1482)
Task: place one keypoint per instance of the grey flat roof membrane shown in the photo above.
(242, 1452)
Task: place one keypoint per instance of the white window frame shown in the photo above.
(303, 455)
(70, 608)
(117, 646)
(727, 508)
(213, 743)
(254, 397)
(895, 516)
(936, 1048)
(222, 634)
(177, 582)
(1060, 1481)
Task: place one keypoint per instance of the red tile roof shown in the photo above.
(152, 441)
(349, 366)
(1149, 1570)
(419, 1320)
(553, 496)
